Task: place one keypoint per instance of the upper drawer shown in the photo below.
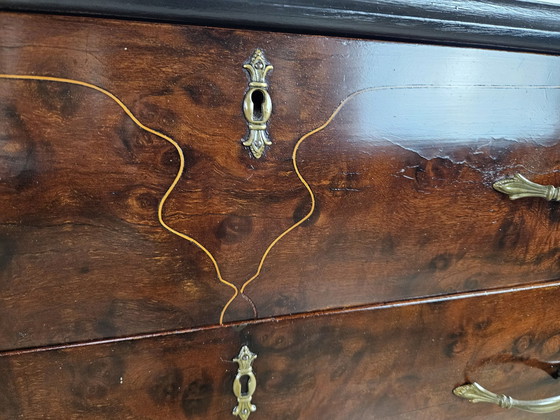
(402, 175)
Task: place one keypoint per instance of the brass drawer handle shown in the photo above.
(476, 393)
(521, 187)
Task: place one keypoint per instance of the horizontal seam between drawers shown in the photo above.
(304, 315)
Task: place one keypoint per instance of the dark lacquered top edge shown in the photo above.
(521, 25)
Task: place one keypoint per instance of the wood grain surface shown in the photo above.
(398, 362)
(402, 177)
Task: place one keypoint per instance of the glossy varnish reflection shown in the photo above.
(402, 177)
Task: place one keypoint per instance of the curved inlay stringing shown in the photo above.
(161, 204)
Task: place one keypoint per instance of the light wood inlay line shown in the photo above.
(175, 180)
(294, 159)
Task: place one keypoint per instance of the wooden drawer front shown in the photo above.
(402, 177)
(402, 362)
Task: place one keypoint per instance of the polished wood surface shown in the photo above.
(398, 361)
(402, 177)
(523, 25)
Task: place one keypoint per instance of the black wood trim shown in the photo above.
(512, 24)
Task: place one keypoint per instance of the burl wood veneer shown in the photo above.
(402, 178)
(411, 276)
(393, 361)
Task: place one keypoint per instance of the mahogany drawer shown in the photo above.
(402, 176)
(390, 361)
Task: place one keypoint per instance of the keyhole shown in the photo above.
(257, 97)
(244, 385)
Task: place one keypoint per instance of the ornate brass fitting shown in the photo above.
(475, 393)
(257, 105)
(520, 187)
(244, 407)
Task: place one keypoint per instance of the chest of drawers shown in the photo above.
(365, 257)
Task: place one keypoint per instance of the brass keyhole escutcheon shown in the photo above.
(257, 105)
(245, 384)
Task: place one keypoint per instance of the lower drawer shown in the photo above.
(398, 361)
